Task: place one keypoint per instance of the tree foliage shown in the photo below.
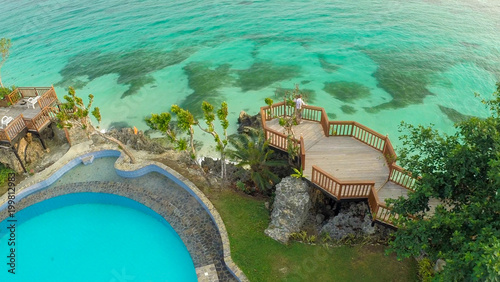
(221, 143)
(75, 112)
(462, 172)
(5, 45)
(186, 122)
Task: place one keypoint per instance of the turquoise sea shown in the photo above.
(374, 61)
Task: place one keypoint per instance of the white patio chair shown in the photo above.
(6, 120)
(32, 101)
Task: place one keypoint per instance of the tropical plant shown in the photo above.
(209, 115)
(242, 187)
(4, 173)
(298, 173)
(75, 112)
(5, 45)
(462, 172)
(253, 151)
(186, 123)
(4, 91)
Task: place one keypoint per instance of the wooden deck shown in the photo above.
(26, 119)
(347, 159)
(344, 158)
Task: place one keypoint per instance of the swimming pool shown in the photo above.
(166, 195)
(94, 237)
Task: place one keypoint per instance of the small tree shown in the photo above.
(5, 45)
(185, 122)
(74, 112)
(208, 111)
(462, 171)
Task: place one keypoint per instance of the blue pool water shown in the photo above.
(374, 61)
(94, 237)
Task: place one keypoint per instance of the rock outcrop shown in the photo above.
(353, 219)
(245, 121)
(136, 141)
(290, 209)
(30, 151)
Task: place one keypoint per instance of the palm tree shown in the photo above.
(253, 151)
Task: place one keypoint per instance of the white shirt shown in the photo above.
(299, 103)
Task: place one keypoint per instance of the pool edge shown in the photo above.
(142, 167)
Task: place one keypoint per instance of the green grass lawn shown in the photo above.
(263, 259)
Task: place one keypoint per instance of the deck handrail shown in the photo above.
(280, 141)
(15, 96)
(47, 98)
(401, 177)
(341, 189)
(39, 121)
(337, 128)
(352, 190)
(10, 132)
(302, 153)
(34, 91)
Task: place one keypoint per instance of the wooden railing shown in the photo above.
(277, 110)
(302, 153)
(25, 92)
(359, 132)
(38, 122)
(280, 141)
(399, 176)
(15, 96)
(10, 132)
(48, 98)
(34, 91)
(341, 189)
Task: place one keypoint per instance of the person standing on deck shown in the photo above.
(298, 108)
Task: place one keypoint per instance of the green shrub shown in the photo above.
(4, 91)
(425, 271)
(4, 174)
(242, 187)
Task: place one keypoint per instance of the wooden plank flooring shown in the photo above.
(17, 109)
(391, 190)
(346, 159)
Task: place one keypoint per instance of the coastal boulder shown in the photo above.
(245, 121)
(353, 219)
(290, 209)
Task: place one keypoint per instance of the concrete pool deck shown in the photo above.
(33, 190)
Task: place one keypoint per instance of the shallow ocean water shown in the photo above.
(374, 61)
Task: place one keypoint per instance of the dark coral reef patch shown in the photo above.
(348, 109)
(264, 74)
(205, 81)
(346, 91)
(453, 114)
(134, 68)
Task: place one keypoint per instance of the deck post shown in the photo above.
(18, 158)
(41, 140)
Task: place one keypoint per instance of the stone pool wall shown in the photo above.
(206, 238)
